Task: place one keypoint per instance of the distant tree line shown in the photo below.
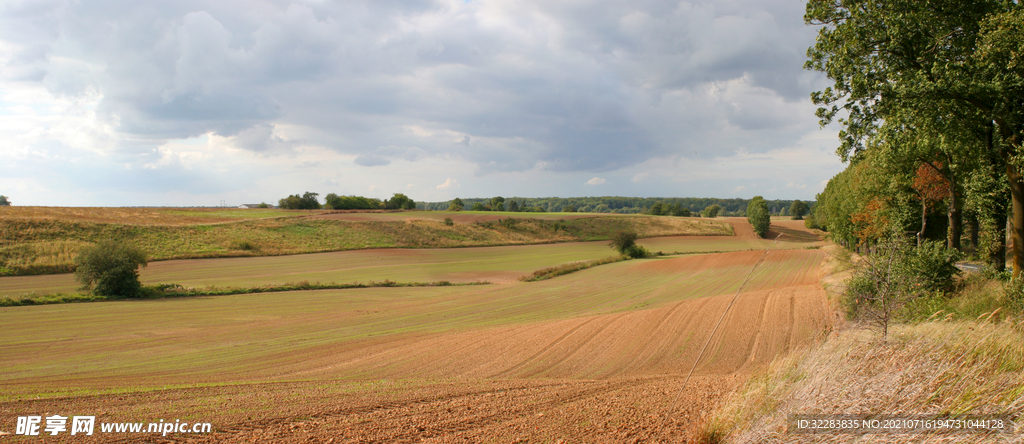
(673, 206)
(309, 201)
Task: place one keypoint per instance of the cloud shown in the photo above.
(640, 177)
(596, 181)
(580, 88)
(369, 160)
(450, 183)
(739, 189)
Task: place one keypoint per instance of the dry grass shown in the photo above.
(144, 216)
(44, 243)
(956, 368)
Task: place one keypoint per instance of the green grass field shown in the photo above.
(150, 343)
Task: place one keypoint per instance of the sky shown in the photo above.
(194, 103)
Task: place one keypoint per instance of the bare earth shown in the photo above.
(605, 378)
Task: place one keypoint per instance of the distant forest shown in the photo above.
(626, 205)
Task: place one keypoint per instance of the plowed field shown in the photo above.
(594, 356)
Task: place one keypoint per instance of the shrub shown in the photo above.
(1013, 292)
(934, 265)
(622, 241)
(448, 221)
(637, 252)
(244, 246)
(110, 269)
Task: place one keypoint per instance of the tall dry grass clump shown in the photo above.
(931, 368)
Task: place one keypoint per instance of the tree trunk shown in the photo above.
(1017, 221)
(924, 221)
(953, 235)
(997, 252)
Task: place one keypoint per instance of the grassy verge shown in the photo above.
(934, 368)
(162, 291)
(44, 245)
(951, 355)
(551, 272)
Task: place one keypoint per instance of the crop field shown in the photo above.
(594, 356)
(43, 240)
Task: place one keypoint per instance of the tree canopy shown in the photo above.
(758, 216)
(938, 84)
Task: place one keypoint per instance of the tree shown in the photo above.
(456, 205)
(758, 216)
(568, 209)
(678, 210)
(918, 61)
(400, 202)
(622, 240)
(110, 268)
(498, 203)
(4, 202)
(658, 209)
(307, 201)
(798, 210)
(513, 206)
(711, 211)
(479, 207)
(263, 205)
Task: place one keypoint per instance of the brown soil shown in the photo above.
(614, 377)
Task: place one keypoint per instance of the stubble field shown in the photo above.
(595, 356)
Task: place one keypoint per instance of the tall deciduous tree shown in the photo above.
(798, 209)
(758, 216)
(902, 56)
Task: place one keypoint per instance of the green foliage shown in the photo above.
(615, 204)
(4, 202)
(711, 211)
(336, 202)
(497, 203)
(934, 265)
(1013, 292)
(479, 207)
(637, 252)
(680, 211)
(758, 216)
(307, 201)
(456, 205)
(568, 209)
(110, 269)
(622, 241)
(513, 206)
(400, 202)
(263, 205)
(798, 210)
(449, 222)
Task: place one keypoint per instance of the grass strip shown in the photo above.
(163, 291)
(550, 272)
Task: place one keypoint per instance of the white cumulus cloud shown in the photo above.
(450, 183)
(596, 181)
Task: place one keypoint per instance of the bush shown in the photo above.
(895, 275)
(1014, 295)
(934, 265)
(637, 252)
(110, 269)
(622, 241)
(448, 221)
